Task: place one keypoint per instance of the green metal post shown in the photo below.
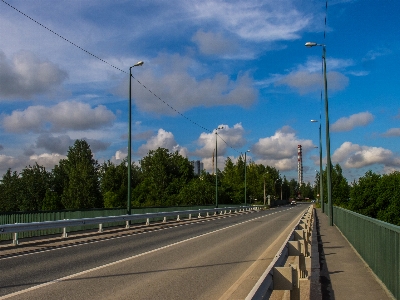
(245, 180)
(321, 186)
(128, 210)
(328, 144)
(216, 170)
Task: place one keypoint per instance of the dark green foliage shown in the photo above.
(364, 193)
(82, 190)
(114, 183)
(377, 196)
(34, 182)
(9, 192)
(163, 175)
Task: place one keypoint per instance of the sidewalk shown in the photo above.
(343, 274)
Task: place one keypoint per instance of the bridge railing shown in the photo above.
(17, 228)
(377, 242)
(41, 216)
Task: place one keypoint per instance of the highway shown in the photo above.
(213, 259)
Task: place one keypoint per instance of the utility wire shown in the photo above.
(119, 69)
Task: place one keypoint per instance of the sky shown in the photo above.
(240, 65)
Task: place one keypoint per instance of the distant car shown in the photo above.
(293, 203)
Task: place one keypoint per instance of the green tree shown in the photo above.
(388, 200)
(294, 188)
(82, 190)
(340, 187)
(10, 192)
(113, 183)
(163, 175)
(35, 182)
(364, 194)
(232, 181)
(199, 191)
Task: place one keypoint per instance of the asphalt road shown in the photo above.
(218, 259)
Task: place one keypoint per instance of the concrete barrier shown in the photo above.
(298, 279)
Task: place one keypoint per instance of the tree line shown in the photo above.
(161, 178)
(373, 195)
(164, 178)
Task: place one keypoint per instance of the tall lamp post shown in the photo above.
(321, 187)
(328, 143)
(216, 166)
(128, 212)
(245, 180)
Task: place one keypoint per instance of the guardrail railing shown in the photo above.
(24, 227)
(295, 268)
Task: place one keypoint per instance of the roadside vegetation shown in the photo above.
(163, 178)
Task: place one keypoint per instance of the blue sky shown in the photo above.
(237, 64)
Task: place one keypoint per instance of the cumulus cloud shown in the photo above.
(280, 150)
(7, 162)
(210, 43)
(392, 132)
(305, 82)
(308, 78)
(17, 163)
(171, 78)
(227, 137)
(349, 123)
(60, 144)
(68, 115)
(46, 160)
(163, 139)
(25, 75)
(356, 156)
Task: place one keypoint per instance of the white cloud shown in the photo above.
(25, 75)
(305, 82)
(171, 78)
(280, 150)
(7, 162)
(227, 137)
(355, 156)
(308, 77)
(68, 115)
(210, 43)
(254, 21)
(163, 139)
(46, 160)
(392, 132)
(18, 163)
(349, 123)
(373, 54)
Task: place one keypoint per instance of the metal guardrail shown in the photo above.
(265, 285)
(377, 242)
(23, 227)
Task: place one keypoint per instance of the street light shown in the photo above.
(328, 143)
(321, 188)
(139, 63)
(245, 181)
(216, 167)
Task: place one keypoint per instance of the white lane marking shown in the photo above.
(120, 261)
